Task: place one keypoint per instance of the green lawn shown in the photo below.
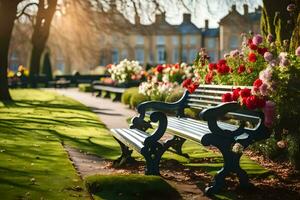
(34, 164)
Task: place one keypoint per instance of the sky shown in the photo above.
(213, 10)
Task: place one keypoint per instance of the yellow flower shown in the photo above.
(10, 74)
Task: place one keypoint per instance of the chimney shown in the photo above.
(186, 17)
(160, 17)
(233, 7)
(246, 11)
(206, 24)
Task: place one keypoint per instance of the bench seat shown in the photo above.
(131, 137)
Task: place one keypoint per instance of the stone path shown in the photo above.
(112, 114)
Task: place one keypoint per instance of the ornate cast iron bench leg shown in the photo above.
(125, 157)
(176, 143)
(231, 163)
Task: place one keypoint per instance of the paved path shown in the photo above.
(113, 114)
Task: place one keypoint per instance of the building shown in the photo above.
(157, 43)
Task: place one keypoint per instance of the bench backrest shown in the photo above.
(206, 96)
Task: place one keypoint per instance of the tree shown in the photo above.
(8, 13)
(46, 11)
(282, 22)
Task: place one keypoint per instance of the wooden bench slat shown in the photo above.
(196, 130)
(204, 101)
(206, 96)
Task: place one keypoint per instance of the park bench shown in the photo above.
(213, 129)
(105, 90)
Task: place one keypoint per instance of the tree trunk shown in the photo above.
(8, 12)
(40, 36)
(281, 23)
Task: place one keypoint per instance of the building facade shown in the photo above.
(157, 43)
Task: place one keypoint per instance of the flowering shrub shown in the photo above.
(125, 71)
(274, 76)
(157, 90)
(173, 73)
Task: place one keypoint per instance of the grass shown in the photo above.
(133, 187)
(34, 164)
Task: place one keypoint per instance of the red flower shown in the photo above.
(257, 83)
(209, 77)
(251, 102)
(227, 97)
(223, 69)
(252, 57)
(253, 47)
(159, 68)
(241, 69)
(186, 82)
(177, 66)
(192, 87)
(262, 51)
(236, 94)
(249, 41)
(189, 85)
(222, 62)
(245, 92)
(212, 66)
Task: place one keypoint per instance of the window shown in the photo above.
(102, 59)
(211, 43)
(192, 55)
(161, 55)
(212, 56)
(193, 40)
(160, 40)
(175, 55)
(184, 55)
(139, 40)
(139, 54)
(175, 40)
(124, 54)
(60, 62)
(115, 55)
(184, 40)
(14, 61)
(233, 42)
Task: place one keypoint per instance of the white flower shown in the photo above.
(238, 148)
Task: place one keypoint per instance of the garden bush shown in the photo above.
(84, 87)
(126, 96)
(175, 95)
(136, 99)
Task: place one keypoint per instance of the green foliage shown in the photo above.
(175, 95)
(130, 187)
(84, 87)
(136, 99)
(126, 96)
(192, 113)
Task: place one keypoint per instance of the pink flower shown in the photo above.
(263, 89)
(257, 39)
(297, 52)
(269, 111)
(266, 74)
(268, 56)
(234, 53)
(291, 7)
(270, 38)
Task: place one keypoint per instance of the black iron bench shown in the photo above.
(213, 129)
(105, 90)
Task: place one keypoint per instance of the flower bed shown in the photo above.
(274, 73)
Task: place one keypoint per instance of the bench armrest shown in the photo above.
(161, 106)
(211, 115)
